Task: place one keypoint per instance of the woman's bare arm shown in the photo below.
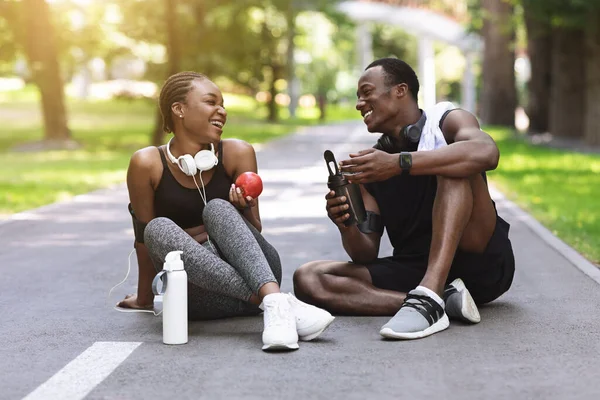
(240, 157)
(140, 184)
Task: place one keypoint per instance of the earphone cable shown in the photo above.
(123, 281)
(203, 189)
(203, 196)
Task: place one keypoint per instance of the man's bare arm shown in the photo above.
(470, 151)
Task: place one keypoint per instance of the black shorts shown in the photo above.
(487, 275)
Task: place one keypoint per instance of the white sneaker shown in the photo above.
(280, 324)
(311, 321)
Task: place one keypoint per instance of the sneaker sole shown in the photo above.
(468, 310)
(310, 336)
(280, 346)
(440, 325)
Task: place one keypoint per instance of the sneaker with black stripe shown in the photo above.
(459, 303)
(419, 316)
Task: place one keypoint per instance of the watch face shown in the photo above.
(405, 160)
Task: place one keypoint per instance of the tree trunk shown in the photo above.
(291, 76)
(173, 62)
(272, 105)
(499, 94)
(322, 101)
(539, 49)
(567, 94)
(592, 115)
(40, 48)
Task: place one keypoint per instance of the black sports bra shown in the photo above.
(183, 205)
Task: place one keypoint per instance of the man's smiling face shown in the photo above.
(380, 103)
(376, 101)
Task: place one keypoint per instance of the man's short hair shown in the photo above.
(396, 72)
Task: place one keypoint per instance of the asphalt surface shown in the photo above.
(538, 341)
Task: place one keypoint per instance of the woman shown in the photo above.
(232, 269)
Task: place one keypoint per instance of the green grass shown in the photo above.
(109, 132)
(560, 189)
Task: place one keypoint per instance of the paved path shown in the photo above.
(62, 340)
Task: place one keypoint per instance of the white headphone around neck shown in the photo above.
(204, 160)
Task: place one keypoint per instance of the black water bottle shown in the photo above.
(340, 185)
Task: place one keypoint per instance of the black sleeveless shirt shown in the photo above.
(182, 205)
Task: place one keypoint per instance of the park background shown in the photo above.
(79, 80)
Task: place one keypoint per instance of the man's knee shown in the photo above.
(473, 194)
(307, 281)
(306, 275)
(447, 184)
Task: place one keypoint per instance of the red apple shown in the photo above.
(250, 184)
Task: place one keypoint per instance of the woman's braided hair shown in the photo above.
(174, 90)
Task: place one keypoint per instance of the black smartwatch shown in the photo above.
(405, 162)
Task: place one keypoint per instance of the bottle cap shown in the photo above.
(173, 261)
(336, 178)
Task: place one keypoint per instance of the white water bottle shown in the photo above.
(175, 311)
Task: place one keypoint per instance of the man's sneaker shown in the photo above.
(280, 324)
(311, 321)
(459, 303)
(419, 316)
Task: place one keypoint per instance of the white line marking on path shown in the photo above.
(83, 374)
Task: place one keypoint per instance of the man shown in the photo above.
(424, 182)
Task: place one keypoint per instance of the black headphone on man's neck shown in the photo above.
(410, 133)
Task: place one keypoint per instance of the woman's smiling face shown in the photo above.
(204, 111)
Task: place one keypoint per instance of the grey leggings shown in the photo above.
(220, 285)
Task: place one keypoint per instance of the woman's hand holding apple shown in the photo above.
(247, 187)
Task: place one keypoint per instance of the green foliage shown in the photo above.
(563, 13)
(476, 13)
(479, 15)
(8, 36)
(326, 48)
(560, 188)
(390, 41)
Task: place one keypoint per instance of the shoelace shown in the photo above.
(425, 305)
(277, 316)
(294, 302)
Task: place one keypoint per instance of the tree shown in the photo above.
(567, 92)
(240, 41)
(291, 14)
(592, 77)
(173, 61)
(539, 49)
(499, 95)
(328, 62)
(41, 51)
(556, 34)
(326, 44)
(161, 22)
(390, 41)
